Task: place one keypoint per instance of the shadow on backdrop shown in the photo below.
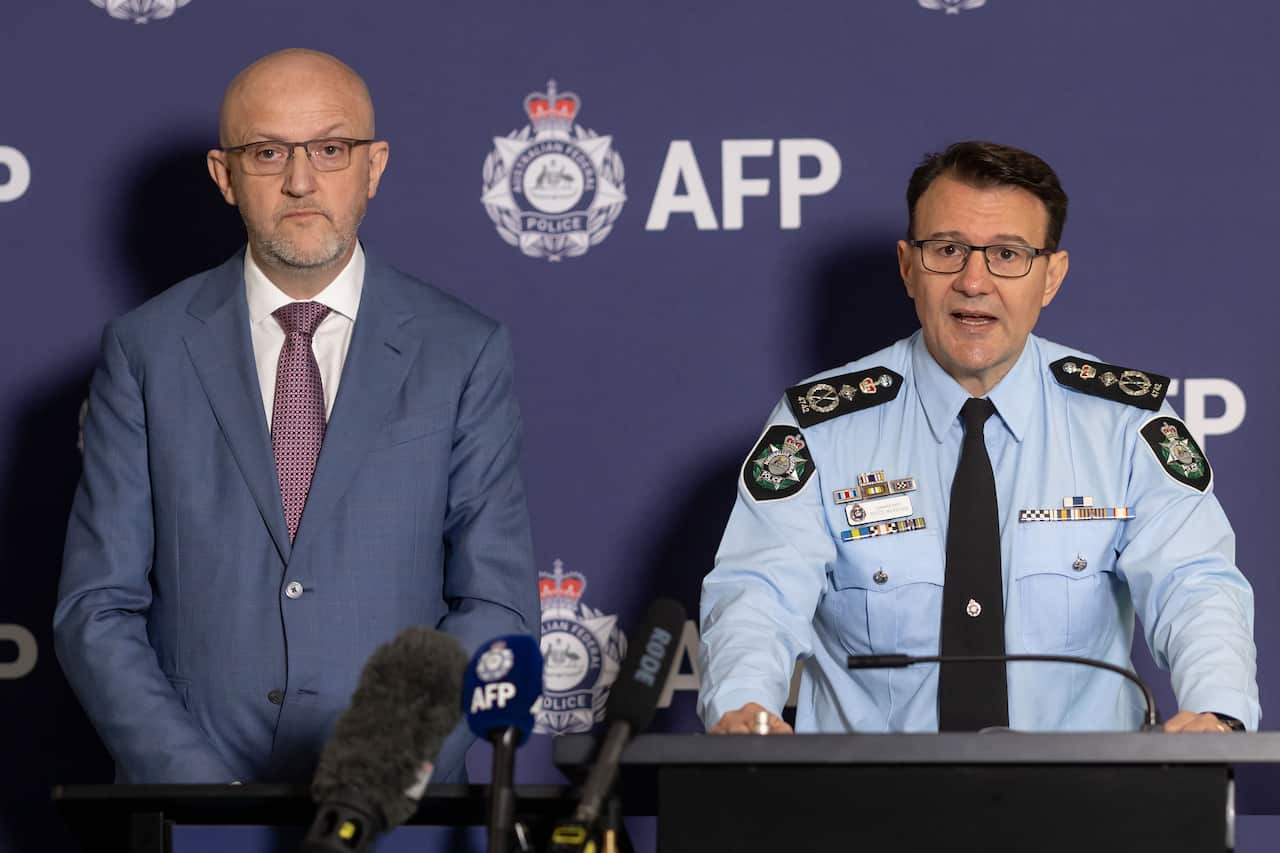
(858, 306)
(176, 222)
(44, 737)
(173, 223)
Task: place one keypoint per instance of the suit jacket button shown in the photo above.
(293, 590)
(276, 697)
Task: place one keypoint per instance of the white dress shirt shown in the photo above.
(332, 337)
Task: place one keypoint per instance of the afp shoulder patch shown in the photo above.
(779, 466)
(1177, 452)
(1119, 384)
(815, 402)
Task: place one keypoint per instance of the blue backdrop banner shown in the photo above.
(678, 210)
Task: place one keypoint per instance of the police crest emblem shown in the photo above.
(582, 649)
(496, 662)
(553, 188)
(952, 7)
(140, 11)
(779, 466)
(1176, 450)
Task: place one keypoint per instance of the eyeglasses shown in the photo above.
(1008, 260)
(271, 156)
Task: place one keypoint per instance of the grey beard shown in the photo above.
(283, 252)
(286, 253)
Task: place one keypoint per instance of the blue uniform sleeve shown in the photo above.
(1178, 557)
(100, 623)
(759, 600)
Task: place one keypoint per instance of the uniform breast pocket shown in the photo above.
(1067, 585)
(885, 594)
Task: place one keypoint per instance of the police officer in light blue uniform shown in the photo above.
(837, 544)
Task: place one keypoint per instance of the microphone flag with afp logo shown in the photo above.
(378, 761)
(500, 692)
(633, 699)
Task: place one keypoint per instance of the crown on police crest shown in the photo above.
(560, 590)
(551, 110)
(1169, 430)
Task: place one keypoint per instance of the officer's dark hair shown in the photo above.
(986, 164)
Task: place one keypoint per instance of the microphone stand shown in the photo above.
(1152, 722)
(502, 797)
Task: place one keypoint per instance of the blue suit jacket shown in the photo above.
(172, 622)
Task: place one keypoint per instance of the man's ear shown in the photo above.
(379, 152)
(216, 160)
(905, 260)
(1057, 271)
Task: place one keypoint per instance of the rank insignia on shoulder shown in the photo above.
(1120, 384)
(1177, 452)
(815, 402)
(779, 466)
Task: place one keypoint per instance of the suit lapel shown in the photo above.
(378, 361)
(222, 353)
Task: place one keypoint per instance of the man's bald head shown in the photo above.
(301, 205)
(271, 82)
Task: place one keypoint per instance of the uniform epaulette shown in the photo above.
(1119, 384)
(833, 396)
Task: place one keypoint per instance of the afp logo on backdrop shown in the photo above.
(23, 659)
(15, 183)
(140, 11)
(582, 649)
(553, 188)
(952, 7)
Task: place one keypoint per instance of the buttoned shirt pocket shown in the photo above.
(885, 594)
(1067, 585)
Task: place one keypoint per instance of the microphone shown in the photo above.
(378, 761)
(502, 687)
(1151, 723)
(633, 698)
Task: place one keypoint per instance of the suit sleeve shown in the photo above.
(490, 582)
(100, 622)
(1196, 607)
(490, 578)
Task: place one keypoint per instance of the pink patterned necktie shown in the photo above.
(297, 416)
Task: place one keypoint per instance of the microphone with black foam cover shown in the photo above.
(500, 691)
(379, 759)
(633, 698)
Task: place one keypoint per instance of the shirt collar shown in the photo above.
(942, 396)
(342, 295)
(1013, 395)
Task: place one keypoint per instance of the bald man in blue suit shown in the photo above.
(210, 635)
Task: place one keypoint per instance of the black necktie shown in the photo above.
(972, 696)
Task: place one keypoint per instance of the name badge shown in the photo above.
(881, 509)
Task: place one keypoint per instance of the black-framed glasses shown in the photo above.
(1006, 260)
(271, 156)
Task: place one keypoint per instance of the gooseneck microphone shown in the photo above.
(633, 698)
(378, 761)
(1152, 722)
(501, 689)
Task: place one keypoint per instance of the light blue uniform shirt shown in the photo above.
(786, 588)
